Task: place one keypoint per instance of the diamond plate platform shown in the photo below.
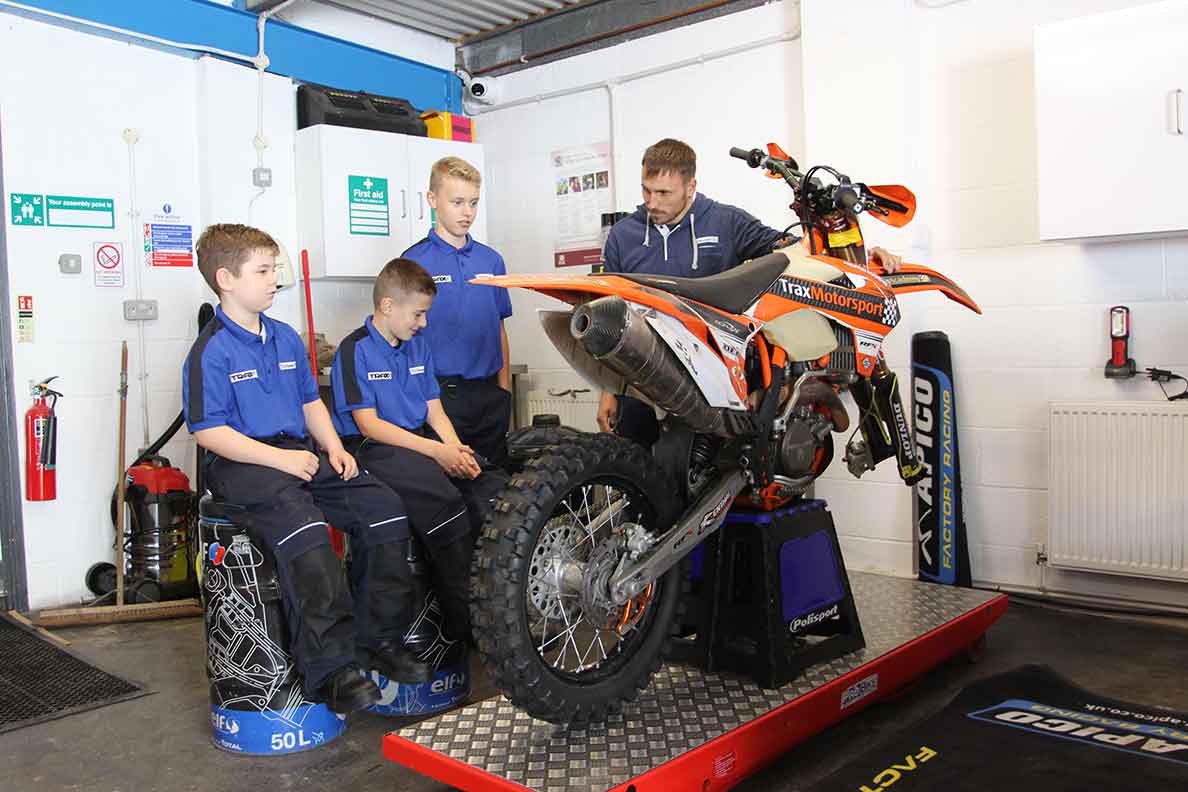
(711, 729)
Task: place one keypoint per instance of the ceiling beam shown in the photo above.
(384, 13)
(462, 14)
(260, 6)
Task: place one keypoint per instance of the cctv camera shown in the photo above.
(483, 90)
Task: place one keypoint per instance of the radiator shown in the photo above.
(577, 408)
(1117, 476)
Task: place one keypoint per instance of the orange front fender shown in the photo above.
(916, 277)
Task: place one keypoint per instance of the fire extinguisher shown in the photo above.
(41, 441)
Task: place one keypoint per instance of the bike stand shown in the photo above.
(695, 729)
(778, 599)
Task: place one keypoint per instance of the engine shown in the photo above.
(806, 447)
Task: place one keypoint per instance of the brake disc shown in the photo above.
(549, 556)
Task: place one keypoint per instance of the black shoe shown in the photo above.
(347, 690)
(395, 662)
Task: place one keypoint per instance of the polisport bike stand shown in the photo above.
(693, 729)
(774, 596)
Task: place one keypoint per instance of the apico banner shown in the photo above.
(941, 543)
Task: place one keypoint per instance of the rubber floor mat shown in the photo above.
(40, 682)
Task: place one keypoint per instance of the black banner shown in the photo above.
(1028, 730)
(941, 543)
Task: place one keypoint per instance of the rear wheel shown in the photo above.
(546, 631)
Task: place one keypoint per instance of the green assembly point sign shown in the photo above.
(71, 211)
(27, 210)
(367, 202)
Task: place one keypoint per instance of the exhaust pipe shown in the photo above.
(621, 339)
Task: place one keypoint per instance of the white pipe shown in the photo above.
(639, 75)
(261, 62)
(125, 32)
(134, 260)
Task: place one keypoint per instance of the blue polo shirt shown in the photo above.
(256, 383)
(463, 330)
(398, 381)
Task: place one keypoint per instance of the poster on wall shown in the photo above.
(28, 209)
(168, 239)
(367, 206)
(582, 190)
(24, 323)
(75, 211)
(109, 264)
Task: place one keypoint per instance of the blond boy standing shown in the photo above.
(465, 325)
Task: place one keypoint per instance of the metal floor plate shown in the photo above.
(683, 708)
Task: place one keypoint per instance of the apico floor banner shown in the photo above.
(941, 542)
(1028, 730)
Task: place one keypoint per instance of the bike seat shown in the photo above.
(733, 291)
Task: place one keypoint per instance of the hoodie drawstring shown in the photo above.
(693, 234)
(647, 229)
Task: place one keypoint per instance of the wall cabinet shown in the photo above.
(1111, 123)
(361, 196)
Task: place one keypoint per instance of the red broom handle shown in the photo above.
(313, 353)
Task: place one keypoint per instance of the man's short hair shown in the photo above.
(401, 277)
(227, 246)
(670, 156)
(455, 167)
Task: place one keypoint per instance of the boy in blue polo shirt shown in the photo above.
(250, 399)
(388, 409)
(465, 329)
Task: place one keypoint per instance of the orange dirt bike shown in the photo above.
(577, 578)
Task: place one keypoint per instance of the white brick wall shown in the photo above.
(62, 126)
(969, 152)
(939, 100)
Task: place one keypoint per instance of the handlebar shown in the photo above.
(847, 198)
(845, 195)
(753, 157)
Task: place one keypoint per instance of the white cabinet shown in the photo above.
(422, 153)
(1111, 123)
(361, 196)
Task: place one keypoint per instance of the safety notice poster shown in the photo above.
(168, 238)
(109, 264)
(582, 189)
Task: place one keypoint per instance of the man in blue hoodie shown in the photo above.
(678, 231)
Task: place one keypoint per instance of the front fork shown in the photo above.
(884, 424)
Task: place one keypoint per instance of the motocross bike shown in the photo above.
(577, 579)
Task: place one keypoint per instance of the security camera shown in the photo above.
(483, 90)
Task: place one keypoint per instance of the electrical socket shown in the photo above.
(140, 310)
(262, 177)
(70, 263)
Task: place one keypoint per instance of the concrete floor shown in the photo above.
(162, 741)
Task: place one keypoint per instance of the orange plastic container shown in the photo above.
(449, 126)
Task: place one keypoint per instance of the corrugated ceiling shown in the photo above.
(452, 19)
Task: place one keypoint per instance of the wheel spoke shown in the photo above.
(584, 529)
(595, 641)
(586, 500)
(585, 526)
(601, 648)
